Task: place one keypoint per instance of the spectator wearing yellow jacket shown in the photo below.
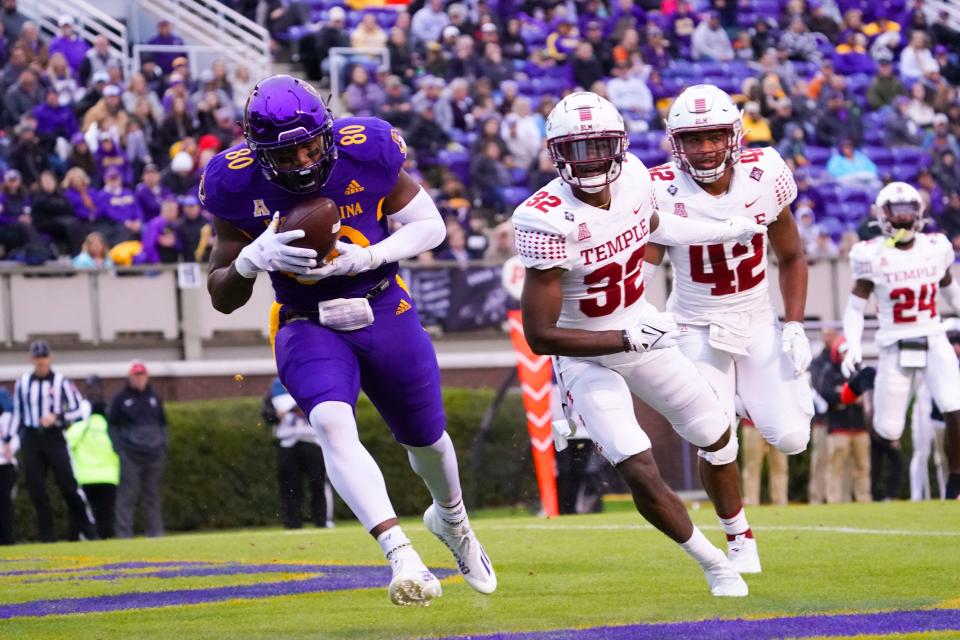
(95, 463)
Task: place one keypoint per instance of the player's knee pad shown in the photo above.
(334, 423)
(725, 454)
(793, 442)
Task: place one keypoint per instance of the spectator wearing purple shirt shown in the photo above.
(109, 155)
(54, 120)
(82, 196)
(160, 240)
(363, 97)
(150, 192)
(165, 36)
(119, 205)
(73, 47)
(683, 24)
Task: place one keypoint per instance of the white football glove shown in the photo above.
(270, 252)
(852, 358)
(652, 332)
(795, 344)
(352, 259)
(743, 229)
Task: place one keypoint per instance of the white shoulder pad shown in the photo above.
(780, 176)
(944, 249)
(542, 231)
(863, 259)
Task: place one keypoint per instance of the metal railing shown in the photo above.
(211, 24)
(90, 22)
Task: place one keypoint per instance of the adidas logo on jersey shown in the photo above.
(353, 188)
(403, 307)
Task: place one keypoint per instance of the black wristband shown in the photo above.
(627, 345)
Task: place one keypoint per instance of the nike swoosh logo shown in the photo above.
(750, 204)
(637, 210)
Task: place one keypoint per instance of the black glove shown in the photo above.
(863, 380)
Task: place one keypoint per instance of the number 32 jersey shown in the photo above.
(601, 250)
(725, 277)
(905, 283)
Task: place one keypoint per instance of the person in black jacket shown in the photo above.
(53, 214)
(138, 428)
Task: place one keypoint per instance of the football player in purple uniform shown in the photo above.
(350, 323)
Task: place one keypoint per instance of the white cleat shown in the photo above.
(742, 554)
(724, 581)
(471, 559)
(412, 583)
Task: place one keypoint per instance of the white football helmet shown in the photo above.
(704, 107)
(899, 211)
(587, 141)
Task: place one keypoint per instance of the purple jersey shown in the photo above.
(370, 156)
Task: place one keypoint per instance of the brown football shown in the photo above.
(319, 219)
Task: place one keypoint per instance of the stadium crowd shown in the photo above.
(103, 168)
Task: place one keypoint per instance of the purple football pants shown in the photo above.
(392, 360)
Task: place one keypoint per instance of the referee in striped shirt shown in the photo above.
(44, 404)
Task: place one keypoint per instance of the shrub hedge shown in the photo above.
(221, 469)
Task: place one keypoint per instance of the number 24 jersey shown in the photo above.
(723, 277)
(601, 250)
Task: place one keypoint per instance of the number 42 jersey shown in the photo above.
(905, 283)
(601, 250)
(725, 277)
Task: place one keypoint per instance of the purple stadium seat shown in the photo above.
(817, 155)
(880, 155)
(832, 226)
(514, 195)
(905, 172)
(518, 176)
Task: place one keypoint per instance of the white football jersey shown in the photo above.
(600, 249)
(723, 277)
(905, 283)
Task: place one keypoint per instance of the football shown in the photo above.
(319, 219)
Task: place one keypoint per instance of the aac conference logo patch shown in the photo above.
(279, 580)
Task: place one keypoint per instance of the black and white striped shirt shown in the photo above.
(34, 397)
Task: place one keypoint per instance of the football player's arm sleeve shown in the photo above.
(950, 289)
(793, 275)
(676, 231)
(853, 319)
(421, 226)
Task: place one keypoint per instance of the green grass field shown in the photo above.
(569, 572)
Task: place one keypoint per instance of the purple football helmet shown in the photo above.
(287, 125)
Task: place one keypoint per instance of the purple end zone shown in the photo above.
(768, 629)
(323, 578)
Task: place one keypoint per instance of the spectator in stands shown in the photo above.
(461, 105)
(916, 60)
(118, 204)
(396, 108)
(944, 34)
(710, 41)
(624, 14)
(949, 67)
(807, 194)
(99, 58)
(93, 93)
(514, 48)
(430, 93)
(629, 93)
(520, 133)
(52, 214)
(165, 37)
(756, 128)
(179, 124)
(851, 57)
(823, 246)
(742, 47)
(363, 97)
(841, 119)
(490, 132)
(898, 128)
(81, 195)
(807, 227)
(502, 245)
(562, 41)
(455, 246)
(16, 65)
(949, 219)
(586, 68)
(208, 99)
(464, 63)
(487, 175)
(179, 176)
(798, 43)
(315, 48)
(448, 40)
(94, 253)
(108, 108)
(160, 239)
(109, 155)
(59, 76)
(754, 449)
(628, 47)
(12, 19)
(401, 55)
(95, 463)
(919, 110)
(194, 230)
(69, 44)
(930, 191)
(138, 89)
(138, 428)
(18, 237)
(496, 69)
(460, 18)
(819, 21)
(946, 172)
(939, 139)
(428, 23)
(789, 131)
(886, 85)
(242, 85)
(22, 96)
(55, 119)
(27, 155)
(851, 166)
(150, 192)
(426, 136)
(32, 44)
(368, 33)
(682, 25)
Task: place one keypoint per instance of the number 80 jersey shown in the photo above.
(724, 277)
(905, 283)
(601, 250)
